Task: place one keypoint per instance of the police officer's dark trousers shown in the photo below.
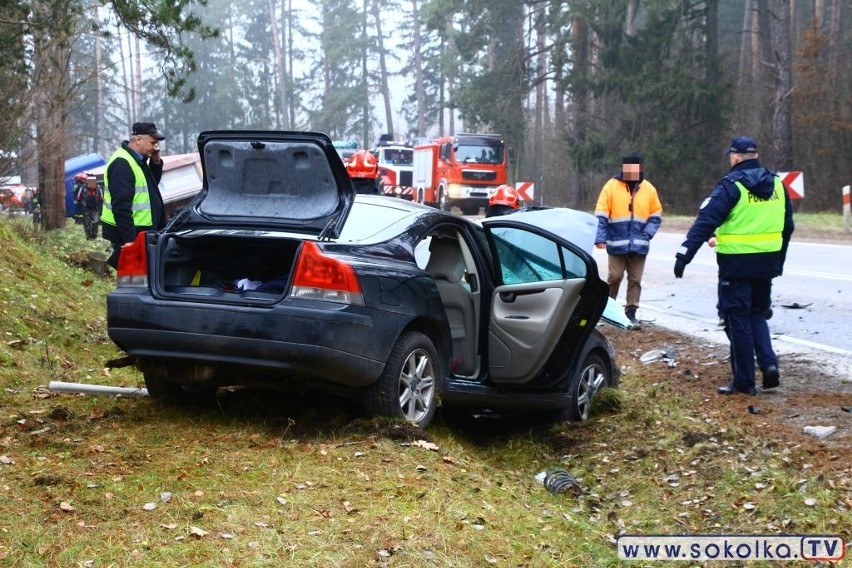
(744, 303)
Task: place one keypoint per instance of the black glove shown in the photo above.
(680, 264)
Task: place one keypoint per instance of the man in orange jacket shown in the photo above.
(629, 214)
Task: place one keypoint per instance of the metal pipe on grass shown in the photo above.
(82, 388)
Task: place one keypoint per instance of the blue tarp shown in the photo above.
(74, 166)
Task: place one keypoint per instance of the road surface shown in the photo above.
(812, 301)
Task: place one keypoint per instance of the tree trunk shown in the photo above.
(781, 157)
(580, 44)
(540, 105)
(835, 31)
(51, 52)
(450, 78)
(128, 105)
(139, 113)
(280, 66)
(419, 81)
(630, 18)
(383, 68)
(289, 80)
(365, 81)
(747, 72)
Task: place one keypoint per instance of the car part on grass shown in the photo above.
(820, 432)
(82, 388)
(665, 355)
(559, 481)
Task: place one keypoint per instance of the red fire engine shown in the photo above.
(461, 170)
(395, 168)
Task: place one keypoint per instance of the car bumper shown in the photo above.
(298, 343)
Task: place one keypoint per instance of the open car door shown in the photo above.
(548, 299)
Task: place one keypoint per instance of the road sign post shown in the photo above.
(846, 198)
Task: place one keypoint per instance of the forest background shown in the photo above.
(570, 85)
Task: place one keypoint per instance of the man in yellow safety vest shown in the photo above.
(132, 200)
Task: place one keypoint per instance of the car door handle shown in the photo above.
(516, 317)
(510, 297)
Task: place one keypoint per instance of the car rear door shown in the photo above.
(548, 297)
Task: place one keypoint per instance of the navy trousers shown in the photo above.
(743, 304)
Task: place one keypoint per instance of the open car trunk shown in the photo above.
(237, 269)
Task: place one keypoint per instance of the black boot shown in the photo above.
(630, 312)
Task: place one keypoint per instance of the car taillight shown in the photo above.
(320, 277)
(133, 263)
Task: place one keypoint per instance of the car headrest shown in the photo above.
(445, 260)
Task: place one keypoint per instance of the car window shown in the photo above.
(526, 257)
(369, 222)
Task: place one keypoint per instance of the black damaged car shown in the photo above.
(278, 276)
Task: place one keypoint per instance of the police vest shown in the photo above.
(141, 204)
(755, 223)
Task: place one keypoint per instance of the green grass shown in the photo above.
(808, 225)
(275, 480)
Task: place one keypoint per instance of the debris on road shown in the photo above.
(820, 432)
(665, 355)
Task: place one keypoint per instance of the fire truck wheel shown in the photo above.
(444, 203)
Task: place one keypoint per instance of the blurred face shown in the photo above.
(145, 145)
(631, 172)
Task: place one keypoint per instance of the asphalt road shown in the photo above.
(812, 301)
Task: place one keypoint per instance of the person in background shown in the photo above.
(132, 200)
(503, 201)
(629, 214)
(79, 186)
(363, 169)
(89, 199)
(751, 216)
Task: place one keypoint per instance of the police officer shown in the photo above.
(132, 200)
(752, 217)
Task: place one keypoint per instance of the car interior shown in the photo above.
(451, 265)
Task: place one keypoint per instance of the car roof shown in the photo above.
(284, 180)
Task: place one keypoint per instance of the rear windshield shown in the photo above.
(373, 222)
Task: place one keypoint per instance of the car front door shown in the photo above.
(548, 297)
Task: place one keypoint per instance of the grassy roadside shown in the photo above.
(268, 480)
(809, 226)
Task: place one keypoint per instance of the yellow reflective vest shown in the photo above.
(141, 203)
(755, 224)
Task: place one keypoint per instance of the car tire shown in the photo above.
(593, 375)
(160, 387)
(409, 386)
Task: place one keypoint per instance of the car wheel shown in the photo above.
(408, 387)
(160, 387)
(594, 375)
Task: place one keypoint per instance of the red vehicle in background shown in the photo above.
(396, 168)
(461, 170)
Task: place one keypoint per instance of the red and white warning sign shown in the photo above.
(795, 182)
(526, 190)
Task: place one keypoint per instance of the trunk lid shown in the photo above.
(275, 180)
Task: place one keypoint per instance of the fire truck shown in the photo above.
(395, 167)
(461, 170)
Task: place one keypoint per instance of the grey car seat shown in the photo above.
(446, 265)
